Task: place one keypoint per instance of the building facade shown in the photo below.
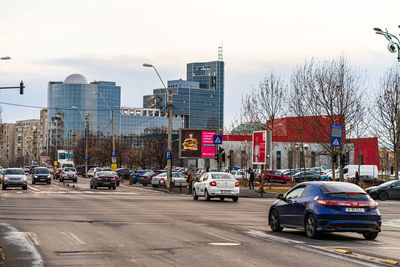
(27, 142)
(7, 144)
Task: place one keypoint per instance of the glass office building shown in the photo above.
(199, 99)
(69, 102)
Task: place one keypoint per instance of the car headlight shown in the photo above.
(24, 178)
(5, 178)
(35, 176)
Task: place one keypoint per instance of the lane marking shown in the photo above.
(31, 238)
(262, 234)
(225, 238)
(224, 244)
(391, 222)
(73, 237)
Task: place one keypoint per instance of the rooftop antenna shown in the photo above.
(220, 49)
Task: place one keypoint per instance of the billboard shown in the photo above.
(259, 147)
(197, 143)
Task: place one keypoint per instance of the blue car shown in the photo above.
(317, 207)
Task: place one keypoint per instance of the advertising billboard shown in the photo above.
(259, 147)
(197, 143)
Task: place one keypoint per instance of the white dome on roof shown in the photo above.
(76, 79)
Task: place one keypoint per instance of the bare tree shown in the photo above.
(387, 113)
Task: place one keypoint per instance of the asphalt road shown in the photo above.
(57, 225)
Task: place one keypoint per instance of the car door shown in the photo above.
(201, 185)
(300, 204)
(394, 190)
(287, 207)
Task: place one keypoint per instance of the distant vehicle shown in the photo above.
(136, 174)
(276, 176)
(41, 174)
(67, 164)
(328, 176)
(27, 169)
(350, 170)
(316, 207)
(31, 168)
(14, 177)
(57, 174)
(178, 179)
(385, 191)
(216, 184)
(92, 171)
(238, 174)
(69, 173)
(367, 180)
(124, 173)
(310, 176)
(103, 179)
(117, 179)
(146, 178)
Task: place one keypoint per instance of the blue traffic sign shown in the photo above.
(86, 158)
(217, 139)
(336, 141)
(114, 154)
(168, 154)
(337, 131)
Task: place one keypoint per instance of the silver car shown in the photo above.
(14, 177)
(178, 179)
(69, 173)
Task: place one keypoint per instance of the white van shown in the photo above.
(350, 170)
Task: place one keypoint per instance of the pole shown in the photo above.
(169, 161)
(86, 144)
(113, 158)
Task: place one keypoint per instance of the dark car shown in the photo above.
(41, 174)
(310, 176)
(145, 179)
(326, 206)
(276, 176)
(103, 179)
(136, 174)
(124, 173)
(367, 180)
(385, 191)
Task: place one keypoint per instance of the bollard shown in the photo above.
(130, 180)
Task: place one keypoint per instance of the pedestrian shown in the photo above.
(189, 180)
(357, 178)
(251, 179)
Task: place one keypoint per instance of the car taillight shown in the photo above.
(162, 179)
(348, 203)
(237, 184)
(213, 183)
(112, 178)
(98, 178)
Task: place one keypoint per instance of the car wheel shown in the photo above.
(33, 181)
(117, 183)
(206, 196)
(221, 198)
(91, 186)
(144, 184)
(383, 196)
(311, 227)
(25, 187)
(49, 182)
(195, 196)
(235, 199)
(134, 182)
(61, 180)
(4, 187)
(274, 221)
(114, 187)
(109, 188)
(370, 235)
(94, 187)
(76, 180)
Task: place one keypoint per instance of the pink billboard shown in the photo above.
(208, 149)
(259, 147)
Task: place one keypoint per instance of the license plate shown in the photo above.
(226, 191)
(355, 210)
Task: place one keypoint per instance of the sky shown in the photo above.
(110, 40)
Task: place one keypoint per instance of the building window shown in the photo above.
(278, 160)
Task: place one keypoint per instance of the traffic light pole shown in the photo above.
(20, 87)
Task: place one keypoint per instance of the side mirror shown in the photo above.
(280, 196)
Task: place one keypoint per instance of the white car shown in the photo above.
(92, 171)
(178, 179)
(69, 173)
(216, 184)
(238, 174)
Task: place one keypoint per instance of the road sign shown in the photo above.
(114, 154)
(217, 139)
(337, 131)
(86, 158)
(336, 141)
(168, 154)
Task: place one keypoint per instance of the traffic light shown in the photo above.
(342, 160)
(21, 88)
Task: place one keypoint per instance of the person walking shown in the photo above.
(251, 179)
(357, 178)
(189, 180)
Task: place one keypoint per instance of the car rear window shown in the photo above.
(104, 174)
(343, 191)
(225, 176)
(70, 170)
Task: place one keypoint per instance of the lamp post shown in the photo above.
(113, 154)
(394, 42)
(169, 159)
(86, 120)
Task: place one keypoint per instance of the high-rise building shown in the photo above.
(7, 144)
(27, 141)
(199, 99)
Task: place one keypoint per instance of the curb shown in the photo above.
(391, 262)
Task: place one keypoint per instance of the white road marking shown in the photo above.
(34, 189)
(269, 236)
(73, 237)
(224, 238)
(31, 238)
(391, 222)
(224, 244)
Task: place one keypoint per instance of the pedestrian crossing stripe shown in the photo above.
(336, 142)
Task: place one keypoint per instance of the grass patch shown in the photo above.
(278, 191)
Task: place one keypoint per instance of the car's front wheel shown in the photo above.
(25, 187)
(370, 235)
(4, 187)
(311, 227)
(206, 195)
(195, 196)
(383, 196)
(274, 221)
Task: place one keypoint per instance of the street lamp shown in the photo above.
(394, 42)
(169, 158)
(86, 120)
(113, 154)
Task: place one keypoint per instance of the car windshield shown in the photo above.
(387, 184)
(104, 174)
(225, 176)
(41, 171)
(343, 191)
(70, 170)
(14, 172)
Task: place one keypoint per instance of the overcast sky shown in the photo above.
(110, 40)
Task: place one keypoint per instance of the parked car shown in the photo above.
(178, 179)
(216, 184)
(146, 178)
(350, 170)
(238, 174)
(367, 180)
(103, 179)
(14, 177)
(92, 171)
(309, 176)
(117, 179)
(57, 174)
(69, 173)
(136, 174)
(276, 176)
(385, 191)
(41, 174)
(326, 207)
(124, 173)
